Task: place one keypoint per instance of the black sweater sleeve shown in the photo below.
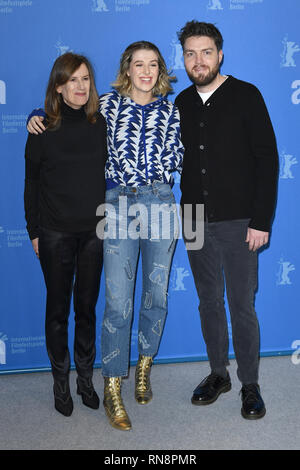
(264, 150)
(32, 184)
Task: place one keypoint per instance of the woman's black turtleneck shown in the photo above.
(64, 174)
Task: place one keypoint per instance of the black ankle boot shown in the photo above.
(86, 389)
(62, 397)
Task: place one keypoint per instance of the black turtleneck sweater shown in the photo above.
(64, 174)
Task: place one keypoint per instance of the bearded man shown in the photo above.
(231, 166)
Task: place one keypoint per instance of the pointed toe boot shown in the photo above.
(63, 402)
(113, 404)
(86, 389)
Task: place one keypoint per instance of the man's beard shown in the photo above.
(203, 80)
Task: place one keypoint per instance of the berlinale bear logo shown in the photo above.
(3, 338)
(2, 92)
(99, 5)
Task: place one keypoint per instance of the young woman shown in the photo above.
(64, 185)
(144, 148)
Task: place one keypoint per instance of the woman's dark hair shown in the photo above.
(123, 82)
(195, 28)
(62, 70)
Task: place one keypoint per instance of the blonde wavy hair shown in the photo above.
(123, 82)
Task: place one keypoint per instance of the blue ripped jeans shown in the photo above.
(135, 227)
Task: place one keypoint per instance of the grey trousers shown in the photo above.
(225, 256)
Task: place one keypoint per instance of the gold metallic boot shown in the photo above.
(143, 392)
(113, 404)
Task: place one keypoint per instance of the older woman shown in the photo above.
(64, 185)
(144, 148)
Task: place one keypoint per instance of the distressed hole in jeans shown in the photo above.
(148, 300)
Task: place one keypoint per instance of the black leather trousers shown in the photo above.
(71, 263)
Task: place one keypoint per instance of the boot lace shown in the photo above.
(115, 395)
(143, 369)
(249, 393)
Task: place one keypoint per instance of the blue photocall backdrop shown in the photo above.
(261, 45)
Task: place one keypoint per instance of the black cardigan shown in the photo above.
(231, 161)
(64, 174)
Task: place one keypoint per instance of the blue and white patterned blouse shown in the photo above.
(143, 141)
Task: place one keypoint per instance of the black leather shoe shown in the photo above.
(253, 404)
(210, 388)
(86, 389)
(62, 397)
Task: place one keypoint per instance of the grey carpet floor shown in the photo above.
(170, 422)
